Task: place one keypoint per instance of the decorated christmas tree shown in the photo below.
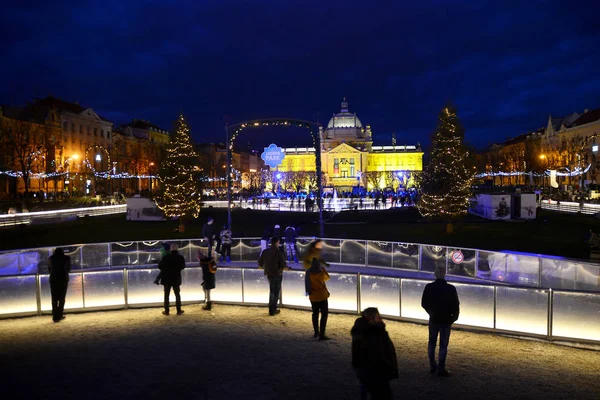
(446, 179)
(180, 193)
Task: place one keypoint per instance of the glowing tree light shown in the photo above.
(180, 193)
(446, 179)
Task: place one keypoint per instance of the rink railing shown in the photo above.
(542, 313)
(514, 269)
(30, 217)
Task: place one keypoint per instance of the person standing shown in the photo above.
(226, 243)
(290, 243)
(373, 355)
(171, 266)
(209, 269)
(59, 266)
(273, 262)
(315, 279)
(440, 300)
(209, 236)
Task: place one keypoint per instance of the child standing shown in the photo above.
(209, 268)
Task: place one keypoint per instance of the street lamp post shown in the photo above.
(544, 157)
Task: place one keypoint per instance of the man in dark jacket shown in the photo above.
(59, 266)
(373, 355)
(440, 300)
(170, 267)
(273, 262)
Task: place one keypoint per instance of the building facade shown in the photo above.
(349, 158)
(564, 144)
(138, 149)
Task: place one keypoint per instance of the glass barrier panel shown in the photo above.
(432, 257)
(236, 250)
(18, 294)
(461, 262)
(380, 292)
(410, 299)
(379, 253)
(9, 263)
(343, 292)
(124, 254)
(74, 299)
(575, 315)
(476, 305)
(256, 286)
(103, 288)
(186, 248)
(522, 270)
(149, 251)
(331, 251)
(198, 245)
(191, 284)
(95, 256)
(302, 246)
(293, 291)
(250, 249)
(558, 274)
(34, 261)
(406, 256)
(141, 288)
(228, 285)
(588, 277)
(522, 310)
(75, 253)
(492, 266)
(353, 252)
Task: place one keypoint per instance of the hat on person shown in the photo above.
(166, 246)
(277, 227)
(174, 247)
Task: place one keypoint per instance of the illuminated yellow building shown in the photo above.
(349, 158)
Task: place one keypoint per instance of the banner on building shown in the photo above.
(553, 182)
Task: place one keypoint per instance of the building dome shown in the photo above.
(344, 119)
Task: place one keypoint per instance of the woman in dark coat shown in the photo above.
(209, 268)
(60, 266)
(373, 354)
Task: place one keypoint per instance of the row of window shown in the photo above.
(84, 128)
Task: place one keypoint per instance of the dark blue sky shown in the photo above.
(505, 64)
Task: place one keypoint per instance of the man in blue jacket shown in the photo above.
(440, 300)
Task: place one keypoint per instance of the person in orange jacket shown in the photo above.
(315, 279)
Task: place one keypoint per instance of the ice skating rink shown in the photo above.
(237, 352)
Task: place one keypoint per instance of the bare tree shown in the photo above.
(389, 178)
(25, 143)
(373, 178)
(298, 180)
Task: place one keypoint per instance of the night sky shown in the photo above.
(505, 65)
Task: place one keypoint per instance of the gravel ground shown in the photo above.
(239, 352)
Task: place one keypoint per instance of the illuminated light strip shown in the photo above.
(121, 208)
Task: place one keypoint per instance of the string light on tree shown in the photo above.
(446, 180)
(180, 194)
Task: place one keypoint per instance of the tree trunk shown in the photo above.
(181, 227)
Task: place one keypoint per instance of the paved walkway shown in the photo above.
(239, 352)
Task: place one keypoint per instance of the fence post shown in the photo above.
(126, 287)
(243, 299)
(109, 256)
(476, 262)
(358, 290)
(367, 252)
(38, 293)
(82, 289)
(550, 312)
(400, 297)
(392, 265)
(420, 256)
(341, 244)
(495, 304)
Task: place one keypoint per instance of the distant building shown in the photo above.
(349, 158)
(563, 144)
(138, 149)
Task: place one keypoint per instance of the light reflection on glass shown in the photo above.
(380, 292)
(522, 310)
